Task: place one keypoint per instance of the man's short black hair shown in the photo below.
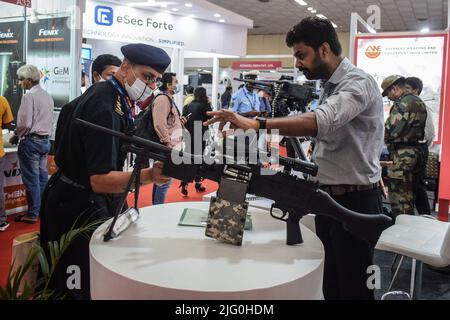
(102, 61)
(314, 31)
(229, 88)
(189, 89)
(415, 83)
(166, 79)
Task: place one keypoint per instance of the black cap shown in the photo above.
(147, 55)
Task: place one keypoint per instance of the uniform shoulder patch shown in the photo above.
(118, 107)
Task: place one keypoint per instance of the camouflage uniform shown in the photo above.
(404, 129)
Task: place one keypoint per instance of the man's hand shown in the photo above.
(156, 175)
(183, 121)
(224, 116)
(14, 139)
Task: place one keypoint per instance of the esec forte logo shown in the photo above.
(104, 16)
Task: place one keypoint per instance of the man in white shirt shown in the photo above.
(34, 124)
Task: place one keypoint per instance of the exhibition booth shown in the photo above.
(189, 35)
(422, 55)
(45, 34)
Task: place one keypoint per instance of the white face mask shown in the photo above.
(101, 79)
(139, 91)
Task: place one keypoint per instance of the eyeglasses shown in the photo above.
(151, 79)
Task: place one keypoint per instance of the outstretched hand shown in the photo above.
(225, 116)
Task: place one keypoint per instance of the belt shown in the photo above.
(399, 145)
(68, 181)
(341, 189)
(37, 136)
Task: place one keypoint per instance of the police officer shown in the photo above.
(90, 179)
(404, 129)
(348, 130)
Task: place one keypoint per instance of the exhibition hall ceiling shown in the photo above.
(278, 16)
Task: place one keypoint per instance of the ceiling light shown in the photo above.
(217, 15)
(191, 16)
(221, 20)
(167, 11)
(321, 16)
(310, 8)
(425, 30)
(175, 9)
(163, 5)
(189, 5)
(301, 2)
(313, 11)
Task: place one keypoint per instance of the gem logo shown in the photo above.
(373, 52)
(103, 15)
(45, 74)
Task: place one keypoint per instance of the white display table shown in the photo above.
(157, 259)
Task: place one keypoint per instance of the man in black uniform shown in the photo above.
(90, 178)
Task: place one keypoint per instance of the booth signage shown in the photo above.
(15, 192)
(419, 56)
(11, 58)
(257, 65)
(114, 22)
(23, 3)
(49, 50)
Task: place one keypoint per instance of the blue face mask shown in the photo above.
(178, 88)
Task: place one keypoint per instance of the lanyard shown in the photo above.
(252, 102)
(125, 100)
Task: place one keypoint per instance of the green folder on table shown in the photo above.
(198, 218)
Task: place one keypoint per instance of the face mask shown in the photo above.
(139, 91)
(177, 89)
(101, 79)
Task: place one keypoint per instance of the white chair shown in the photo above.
(420, 238)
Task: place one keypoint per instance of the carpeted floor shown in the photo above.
(145, 199)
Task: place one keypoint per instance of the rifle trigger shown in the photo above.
(282, 216)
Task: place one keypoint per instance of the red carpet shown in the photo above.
(145, 199)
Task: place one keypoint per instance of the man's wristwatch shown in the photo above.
(262, 123)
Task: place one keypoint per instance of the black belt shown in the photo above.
(341, 189)
(68, 181)
(37, 136)
(413, 144)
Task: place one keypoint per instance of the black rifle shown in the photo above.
(293, 196)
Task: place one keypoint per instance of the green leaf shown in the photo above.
(43, 262)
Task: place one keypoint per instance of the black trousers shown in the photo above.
(419, 187)
(346, 256)
(64, 207)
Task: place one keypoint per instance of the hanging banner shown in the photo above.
(23, 3)
(49, 51)
(112, 22)
(420, 56)
(256, 65)
(11, 58)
